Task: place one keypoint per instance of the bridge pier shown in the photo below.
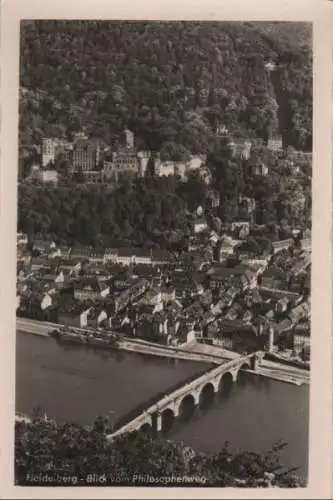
(155, 423)
(196, 397)
(234, 374)
(216, 384)
(158, 422)
(256, 360)
(176, 409)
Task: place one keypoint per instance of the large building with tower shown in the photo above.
(85, 156)
(126, 161)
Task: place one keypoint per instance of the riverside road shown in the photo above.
(191, 352)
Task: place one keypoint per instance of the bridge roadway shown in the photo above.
(171, 405)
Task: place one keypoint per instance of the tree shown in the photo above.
(70, 449)
(159, 80)
(171, 151)
(136, 213)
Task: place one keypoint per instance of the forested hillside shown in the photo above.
(167, 81)
(150, 212)
(156, 212)
(174, 84)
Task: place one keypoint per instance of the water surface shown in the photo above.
(73, 383)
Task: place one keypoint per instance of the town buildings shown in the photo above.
(52, 147)
(85, 156)
(274, 142)
(98, 163)
(240, 148)
(225, 297)
(45, 176)
(221, 289)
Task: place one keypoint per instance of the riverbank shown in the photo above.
(139, 346)
(149, 348)
(194, 351)
(287, 360)
(278, 376)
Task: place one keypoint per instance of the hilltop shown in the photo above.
(289, 34)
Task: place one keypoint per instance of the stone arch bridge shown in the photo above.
(191, 393)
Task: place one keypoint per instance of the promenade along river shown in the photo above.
(76, 383)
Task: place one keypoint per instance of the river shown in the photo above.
(73, 383)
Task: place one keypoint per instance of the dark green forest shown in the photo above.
(174, 84)
(158, 212)
(148, 212)
(166, 81)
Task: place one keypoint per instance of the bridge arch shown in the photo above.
(207, 395)
(146, 428)
(168, 418)
(187, 406)
(241, 379)
(215, 382)
(226, 382)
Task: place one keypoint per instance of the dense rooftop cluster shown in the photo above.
(229, 290)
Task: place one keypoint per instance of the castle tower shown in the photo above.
(48, 150)
(143, 159)
(98, 153)
(129, 139)
(157, 164)
(270, 339)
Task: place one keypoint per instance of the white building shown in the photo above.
(46, 176)
(46, 302)
(275, 143)
(93, 177)
(260, 169)
(127, 256)
(200, 225)
(241, 227)
(164, 169)
(270, 66)
(48, 150)
(129, 138)
(21, 239)
(91, 291)
(143, 159)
